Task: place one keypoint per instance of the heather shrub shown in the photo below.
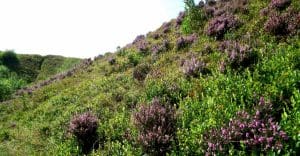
(239, 55)
(84, 128)
(280, 4)
(180, 19)
(138, 39)
(156, 124)
(251, 132)
(140, 72)
(183, 42)
(166, 27)
(193, 67)
(142, 46)
(112, 61)
(160, 47)
(211, 2)
(218, 26)
(284, 24)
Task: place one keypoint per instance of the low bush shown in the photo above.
(10, 60)
(160, 47)
(239, 55)
(156, 124)
(194, 18)
(140, 72)
(253, 132)
(84, 128)
(280, 4)
(183, 42)
(284, 24)
(218, 26)
(193, 67)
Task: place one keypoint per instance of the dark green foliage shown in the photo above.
(193, 19)
(30, 66)
(134, 58)
(9, 82)
(140, 72)
(10, 60)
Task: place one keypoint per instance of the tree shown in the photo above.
(10, 60)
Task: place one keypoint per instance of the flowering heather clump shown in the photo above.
(283, 24)
(276, 25)
(280, 4)
(142, 46)
(257, 132)
(157, 127)
(140, 72)
(164, 46)
(139, 38)
(84, 128)
(193, 67)
(211, 2)
(180, 18)
(112, 61)
(238, 54)
(156, 36)
(166, 27)
(182, 42)
(218, 26)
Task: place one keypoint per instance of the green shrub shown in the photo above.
(10, 60)
(194, 18)
(140, 72)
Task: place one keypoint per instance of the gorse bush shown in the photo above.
(218, 26)
(84, 128)
(252, 132)
(156, 124)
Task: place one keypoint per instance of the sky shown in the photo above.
(79, 28)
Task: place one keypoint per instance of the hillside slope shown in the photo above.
(20, 70)
(228, 85)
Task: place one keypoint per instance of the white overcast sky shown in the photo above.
(79, 28)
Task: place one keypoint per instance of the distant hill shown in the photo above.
(31, 68)
(223, 78)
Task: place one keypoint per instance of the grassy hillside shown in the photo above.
(20, 70)
(228, 84)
